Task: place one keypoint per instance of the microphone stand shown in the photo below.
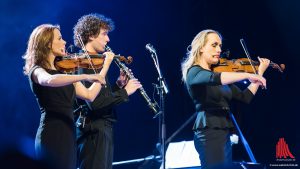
(162, 91)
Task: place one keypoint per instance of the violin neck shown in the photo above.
(256, 63)
(272, 64)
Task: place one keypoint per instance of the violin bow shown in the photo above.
(249, 58)
(247, 54)
(85, 52)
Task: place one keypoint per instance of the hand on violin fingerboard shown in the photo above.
(263, 65)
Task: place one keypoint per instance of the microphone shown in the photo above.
(150, 48)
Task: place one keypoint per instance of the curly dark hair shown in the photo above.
(89, 26)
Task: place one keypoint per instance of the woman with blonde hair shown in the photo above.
(212, 93)
(55, 92)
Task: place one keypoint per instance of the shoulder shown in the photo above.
(196, 69)
(37, 70)
(32, 75)
(34, 70)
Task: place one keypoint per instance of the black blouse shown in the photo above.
(54, 99)
(211, 98)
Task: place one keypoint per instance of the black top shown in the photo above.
(211, 98)
(53, 99)
(103, 105)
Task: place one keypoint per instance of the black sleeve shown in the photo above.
(108, 96)
(107, 99)
(115, 87)
(197, 75)
(243, 96)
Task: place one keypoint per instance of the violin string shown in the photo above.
(85, 52)
(247, 54)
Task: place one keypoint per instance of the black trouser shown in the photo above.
(95, 147)
(214, 147)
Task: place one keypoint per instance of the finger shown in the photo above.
(109, 55)
(264, 59)
(136, 81)
(260, 60)
(122, 73)
(265, 85)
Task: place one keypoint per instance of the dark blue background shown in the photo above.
(269, 27)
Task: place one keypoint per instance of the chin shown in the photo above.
(60, 54)
(101, 50)
(215, 61)
(63, 54)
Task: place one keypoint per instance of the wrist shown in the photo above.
(121, 83)
(106, 65)
(118, 83)
(83, 77)
(107, 61)
(127, 90)
(247, 75)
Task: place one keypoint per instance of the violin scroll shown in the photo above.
(127, 60)
(280, 67)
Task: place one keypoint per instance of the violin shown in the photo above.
(71, 62)
(242, 65)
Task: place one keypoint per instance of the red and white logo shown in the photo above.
(282, 150)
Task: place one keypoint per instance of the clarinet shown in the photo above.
(125, 69)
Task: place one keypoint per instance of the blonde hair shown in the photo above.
(193, 51)
(38, 47)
